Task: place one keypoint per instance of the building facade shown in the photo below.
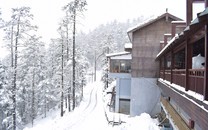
(145, 39)
(120, 70)
(184, 73)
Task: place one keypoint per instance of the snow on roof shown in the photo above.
(178, 22)
(128, 45)
(151, 20)
(167, 34)
(142, 23)
(117, 54)
(122, 57)
(148, 22)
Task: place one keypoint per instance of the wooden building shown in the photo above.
(145, 47)
(145, 39)
(184, 73)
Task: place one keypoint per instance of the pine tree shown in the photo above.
(62, 69)
(74, 8)
(16, 30)
(32, 57)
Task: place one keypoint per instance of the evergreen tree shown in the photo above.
(17, 30)
(32, 57)
(74, 8)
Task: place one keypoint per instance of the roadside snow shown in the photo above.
(142, 122)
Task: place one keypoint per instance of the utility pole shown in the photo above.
(95, 67)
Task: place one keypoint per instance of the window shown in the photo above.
(120, 66)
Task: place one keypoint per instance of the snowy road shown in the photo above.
(92, 116)
(88, 115)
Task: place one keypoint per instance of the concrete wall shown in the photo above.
(123, 91)
(119, 75)
(145, 96)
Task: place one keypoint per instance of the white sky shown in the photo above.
(48, 12)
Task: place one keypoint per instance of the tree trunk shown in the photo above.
(45, 104)
(73, 57)
(62, 78)
(15, 78)
(67, 57)
(33, 97)
(12, 53)
(95, 68)
(69, 100)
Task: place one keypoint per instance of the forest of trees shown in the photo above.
(35, 79)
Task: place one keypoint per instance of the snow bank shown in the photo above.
(142, 122)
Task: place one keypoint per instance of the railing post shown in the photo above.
(206, 64)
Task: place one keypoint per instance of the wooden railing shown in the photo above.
(195, 78)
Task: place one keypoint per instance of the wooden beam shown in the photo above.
(206, 64)
(190, 107)
(179, 122)
(198, 1)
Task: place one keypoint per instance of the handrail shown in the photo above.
(195, 78)
(191, 72)
(196, 72)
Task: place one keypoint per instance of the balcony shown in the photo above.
(178, 77)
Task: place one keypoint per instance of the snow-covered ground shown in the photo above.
(90, 115)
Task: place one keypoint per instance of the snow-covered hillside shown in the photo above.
(90, 115)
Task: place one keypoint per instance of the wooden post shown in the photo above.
(189, 11)
(160, 68)
(172, 66)
(164, 64)
(188, 58)
(206, 64)
(206, 3)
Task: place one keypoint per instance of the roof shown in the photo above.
(120, 56)
(201, 18)
(148, 22)
(117, 54)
